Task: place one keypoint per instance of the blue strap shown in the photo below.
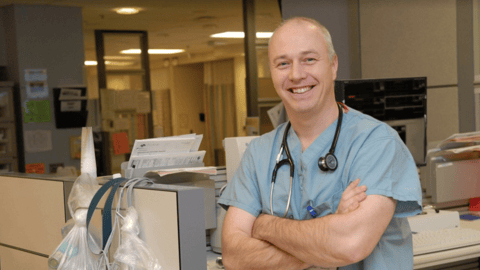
(107, 210)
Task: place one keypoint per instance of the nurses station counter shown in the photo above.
(34, 209)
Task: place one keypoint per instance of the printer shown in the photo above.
(453, 170)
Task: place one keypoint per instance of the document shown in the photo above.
(460, 140)
(169, 152)
(167, 160)
(163, 172)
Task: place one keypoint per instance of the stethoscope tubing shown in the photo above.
(289, 161)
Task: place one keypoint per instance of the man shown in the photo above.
(323, 228)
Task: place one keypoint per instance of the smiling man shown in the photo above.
(294, 202)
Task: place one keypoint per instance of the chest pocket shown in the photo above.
(325, 195)
(326, 207)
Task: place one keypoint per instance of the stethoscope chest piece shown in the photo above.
(328, 163)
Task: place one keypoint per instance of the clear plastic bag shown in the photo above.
(133, 253)
(74, 253)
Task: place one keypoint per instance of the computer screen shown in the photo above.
(399, 102)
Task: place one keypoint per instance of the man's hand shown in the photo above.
(351, 198)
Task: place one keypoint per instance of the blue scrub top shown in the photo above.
(367, 149)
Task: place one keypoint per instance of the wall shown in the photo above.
(338, 16)
(50, 38)
(240, 94)
(3, 49)
(414, 39)
(187, 99)
(398, 39)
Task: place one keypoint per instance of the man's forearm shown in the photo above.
(244, 252)
(304, 239)
(333, 240)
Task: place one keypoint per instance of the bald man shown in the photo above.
(347, 211)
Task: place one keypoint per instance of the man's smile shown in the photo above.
(301, 89)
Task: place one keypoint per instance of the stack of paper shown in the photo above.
(220, 179)
(167, 152)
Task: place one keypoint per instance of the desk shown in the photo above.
(34, 211)
(468, 254)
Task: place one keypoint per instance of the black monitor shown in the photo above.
(399, 102)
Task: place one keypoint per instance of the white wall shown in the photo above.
(414, 39)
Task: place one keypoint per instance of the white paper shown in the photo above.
(181, 151)
(71, 106)
(167, 160)
(88, 164)
(71, 94)
(158, 146)
(38, 140)
(198, 140)
(163, 172)
(277, 114)
(36, 83)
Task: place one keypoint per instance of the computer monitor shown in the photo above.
(399, 102)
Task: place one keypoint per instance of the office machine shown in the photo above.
(399, 102)
(234, 149)
(453, 170)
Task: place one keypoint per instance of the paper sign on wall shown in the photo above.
(120, 143)
(38, 140)
(38, 168)
(37, 111)
(36, 83)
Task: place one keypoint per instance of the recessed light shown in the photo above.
(233, 34)
(90, 63)
(127, 10)
(153, 51)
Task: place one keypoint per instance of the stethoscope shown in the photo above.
(327, 163)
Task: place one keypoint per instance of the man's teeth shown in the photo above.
(300, 90)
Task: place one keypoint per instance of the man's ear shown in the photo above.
(334, 65)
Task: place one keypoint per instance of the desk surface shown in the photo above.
(450, 256)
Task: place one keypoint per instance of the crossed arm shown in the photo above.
(270, 242)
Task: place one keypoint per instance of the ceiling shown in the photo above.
(177, 24)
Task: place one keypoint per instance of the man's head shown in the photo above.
(303, 65)
(323, 29)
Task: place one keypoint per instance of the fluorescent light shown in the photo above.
(119, 63)
(232, 34)
(110, 63)
(264, 34)
(127, 10)
(118, 57)
(153, 51)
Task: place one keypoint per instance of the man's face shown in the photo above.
(301, 71)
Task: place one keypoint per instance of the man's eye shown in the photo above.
(282, 64)
(310, 60)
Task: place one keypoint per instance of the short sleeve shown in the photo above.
(242, 191)
(387, 168)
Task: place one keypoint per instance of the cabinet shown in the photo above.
(8, 144)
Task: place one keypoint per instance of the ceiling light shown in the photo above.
(153, 51)
(127, 10)
(118, 57)
(231, 34)
(90, 63)
(119, 63)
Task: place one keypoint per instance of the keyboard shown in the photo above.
(444, 239)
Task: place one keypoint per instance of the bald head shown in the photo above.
(312, 24)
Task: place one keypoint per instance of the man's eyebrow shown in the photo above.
(284, 56)
(308, 52)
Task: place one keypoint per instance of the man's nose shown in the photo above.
(296, 72)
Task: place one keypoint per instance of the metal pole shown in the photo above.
(251, 82)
